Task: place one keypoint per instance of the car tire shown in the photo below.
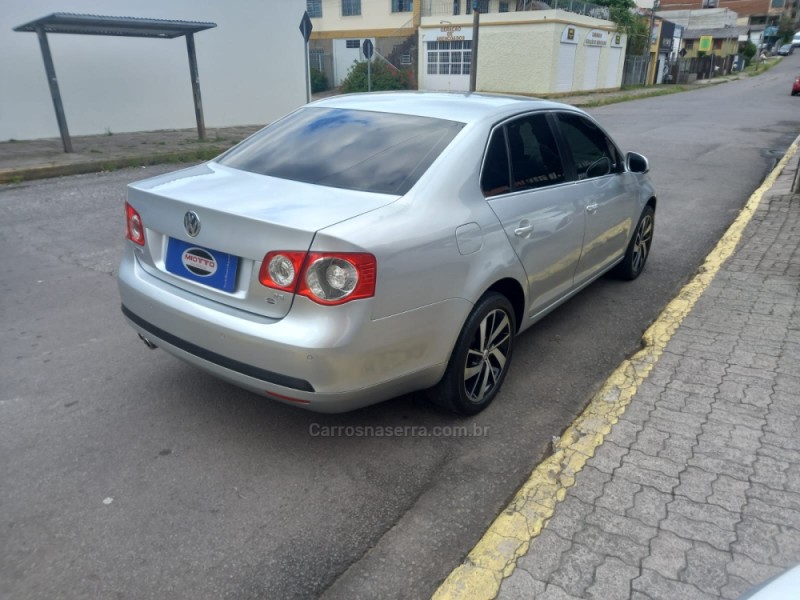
(480, 359)
(639, 247)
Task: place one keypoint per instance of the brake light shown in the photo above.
(134, 230)
(328, 278)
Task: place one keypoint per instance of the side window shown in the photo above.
(535, 161)
(494, 179)
(588, 144)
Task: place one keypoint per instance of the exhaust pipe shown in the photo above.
(147, 342)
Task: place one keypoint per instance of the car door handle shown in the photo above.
(592, 208)
(523, 230)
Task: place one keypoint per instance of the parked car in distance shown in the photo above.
(786, 50)
(369, 245)
(796, 39)
(796, 86)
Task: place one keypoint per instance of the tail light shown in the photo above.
(324, 277)
(134, 230)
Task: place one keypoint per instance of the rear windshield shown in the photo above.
(351, 149)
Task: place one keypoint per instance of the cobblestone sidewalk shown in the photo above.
(695, 493)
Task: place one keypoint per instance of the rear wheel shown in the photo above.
(639, 247)
(480, 359)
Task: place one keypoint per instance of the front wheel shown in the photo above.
(480, 359)
(639, 247)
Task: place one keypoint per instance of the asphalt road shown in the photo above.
(128, 474)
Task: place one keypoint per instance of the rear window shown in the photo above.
(352, 149)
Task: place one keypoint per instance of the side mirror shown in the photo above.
(636, 163)
(600, 167)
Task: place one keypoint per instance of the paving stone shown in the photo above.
(649, 506)
(788, 544)
(685, 402)
(701, 531)
(709, 513)
(705, 568)
(623, 433)
(676, 423)
(569, 517)
(589, 484)
(734, 588)
(729, 493)
(712, 464)
(612, 522)
(650, 441)
(792, 481)
(678, 448)
(654, 463)
(751, 571)
(756, 539)
(770, 471)
(576, 572)
(716, 448)
(544, 555)
(554, 592)
(695, 484)
(737, 413)
(608, 457)
(657, 587)
(520, 584)
(783, 424)
(667, 554)
(611, 544)
(612, 580)
(775, 497)
(618, 495)
(656, 479)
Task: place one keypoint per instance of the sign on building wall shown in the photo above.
(616, 40)
(569, 35)
(596, 37)
(706, 42)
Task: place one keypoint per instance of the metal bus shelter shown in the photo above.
(121, 27)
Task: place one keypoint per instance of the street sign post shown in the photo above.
(305, 29)
(367, 48)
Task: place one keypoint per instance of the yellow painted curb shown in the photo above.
(508, 538)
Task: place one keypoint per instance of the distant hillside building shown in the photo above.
(751, 12)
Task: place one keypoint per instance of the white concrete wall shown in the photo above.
(251, 68)
(707, 18)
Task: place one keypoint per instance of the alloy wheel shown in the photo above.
(641, 244)
(487, 355)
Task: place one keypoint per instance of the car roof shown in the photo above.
(463, 107)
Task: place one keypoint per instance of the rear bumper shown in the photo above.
(327, 359)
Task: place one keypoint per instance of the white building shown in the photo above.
(251, 68)
(525, 52)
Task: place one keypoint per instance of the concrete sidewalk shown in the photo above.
(36, 159)
(694, 493)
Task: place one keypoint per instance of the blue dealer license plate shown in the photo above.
(203, 265)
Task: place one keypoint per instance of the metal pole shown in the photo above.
(369, 74)
(54, 91)
(308, 76)
(476, 21)
(198, 101)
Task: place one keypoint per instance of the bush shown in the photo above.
(319, 83)
(384, 77)
(748, 51)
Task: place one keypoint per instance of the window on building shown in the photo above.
(710, 3)
(351, 8)
(504, 7)
(353, 43)
(402, 6)
(777, 3)
(449, 57)
(689, 44)
(484, 8)
(456, 7)
(718, 44)
(314, 8)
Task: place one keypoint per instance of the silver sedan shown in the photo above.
(370, 245)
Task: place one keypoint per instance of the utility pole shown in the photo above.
(476, 22)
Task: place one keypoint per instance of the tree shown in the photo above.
(621, 13)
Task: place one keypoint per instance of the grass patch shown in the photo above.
(661, 91)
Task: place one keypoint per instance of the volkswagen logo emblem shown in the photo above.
(191, 223)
